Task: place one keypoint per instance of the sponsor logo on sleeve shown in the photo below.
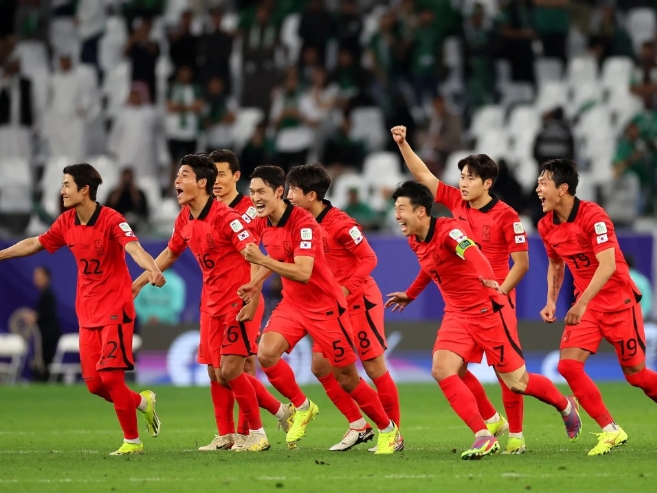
(236, 225)
(305, 245)
(356, 235)
(517, 228)
(251, 212)
(520, 239)
(243, 235)
(602, 239)
(306, 234)
(457, 234)
(125, 227)
(600, 228)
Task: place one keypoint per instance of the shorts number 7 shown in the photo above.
(500, 348)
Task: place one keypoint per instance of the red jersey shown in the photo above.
(348, 253)
(441, 257)
(104, 291)
(496, 227)
(216, 237)
(297, 234)
(588, 232)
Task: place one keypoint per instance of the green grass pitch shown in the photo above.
(56, 439)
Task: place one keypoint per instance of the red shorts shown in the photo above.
(332, 336)
(224, 335)
(511, 320)
(106, 348)
(470, 335)
(623, 329)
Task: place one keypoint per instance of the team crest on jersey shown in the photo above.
(306, 234)
(435, 257)
(583, 241)
(236, 225)
(485, 233)
(287, 246)
(600, 228)
(356, 235)
(99, 246)
(243, 235)
(251, 212)
(210, 241)
(325, 244)
(518, 229)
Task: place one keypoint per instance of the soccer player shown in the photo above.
(497, 230)
(580, 235)
(217, 236)
(351, 260)
(98, 237)
(313, 303)
(474, 319)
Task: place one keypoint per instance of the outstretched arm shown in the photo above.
(415, 165)
(23, 248)
(146, 262)
(163, 261)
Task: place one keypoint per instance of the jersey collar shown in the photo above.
(488, 206)
(236, 201)
(322, 214)
(571, 217)
(92, 219)
(206, 210)
(284, 217)
(432, 230)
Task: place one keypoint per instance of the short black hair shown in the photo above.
(226, 156)
(417, 193)
(273, 176)
(562, 170)
(85, 175)
(480, 165)
(310, 178)
(203, 167)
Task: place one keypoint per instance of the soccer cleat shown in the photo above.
(150, 416)
(608, 440)
(129, 448)
(220, 442)
(573, 421)
(399, 445)
(482, 446)
(285, 423)
(255, 442)
(387, 442)
(499, 427)
(240, 440)
(353, 438)
(515, 446)
(300, 422)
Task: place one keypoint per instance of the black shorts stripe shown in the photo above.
(126, 361)
(371, 323)
(515, 347)
(346, 336)
(642, 344)
(245, 338)
(510, 301)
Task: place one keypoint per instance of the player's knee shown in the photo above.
(634, 376)
(212, 374)
(347, 377)
(267, 359)
(250, 366)
(568, 368)
(95, 386)
(320, 366)
(516, 381)
(375, 368)
(440, 372)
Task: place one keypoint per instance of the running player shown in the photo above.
(497, 230)
(313, 303)
(474, 319)
(581, 235)
(98, 237)
(351, 260)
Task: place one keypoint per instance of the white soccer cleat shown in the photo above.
(223, 442)
(240, 440)
(353, 438)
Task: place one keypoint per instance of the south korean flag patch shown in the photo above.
(243, 235)
(356, 235)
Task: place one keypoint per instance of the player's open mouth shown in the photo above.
(260, 207)
(179, 192)
(542, 199)
(403, 227)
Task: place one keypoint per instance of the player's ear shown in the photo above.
(282, 192)
(202, 183)
(237, 175)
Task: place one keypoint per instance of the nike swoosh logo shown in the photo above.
(72, 245)
(366, 351)
(462, 218)
(555, 245)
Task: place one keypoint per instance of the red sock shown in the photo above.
(585, 390)
(514, 406)
(484, 405)
(544, 390)
(265, 400)
(368, 401)
(124, 401)
(223, 402)
(646, 380)
(389, 397)
(242, 422)
(246, 398)
(340, 398)
(96, 387)
(463, 402)
(282, 378)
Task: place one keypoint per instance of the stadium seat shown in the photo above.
(452, 174)
(68, 344)
(33, 56)
(246, 121)
(486, 117)
(290, 37)
(550, 96)
(117, 87)
(339, 190)
(584, 95)
(151, 188)
(548, 70)
(110, 49)
(162, 219)
(368, 124)
(523, 119)
(616, 74)
(515, 93)
(580, 70)
(14, 348)
(623, 107)
(495, 143)
(641, 26)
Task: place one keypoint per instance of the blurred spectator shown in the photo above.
(348, 28)
(342, 152)
(162, 305)
(518, 33)
(359, 210)
(426, 56)
(320, 99)
(552, 24)
(214, 50)
(134, 9)
(16, 111)
(260, 149)
(480, 46)
(385, 51)
(7, 16)
(219, 115)
(129, 200)
(398, 112)
(308, 63)
(644, 285)
(31, 19)
(607, 30)
(183, 45)
(316, 28)
(581, 12)
(91, 19)
(508, 189)
(555, 139)
(635, 156)
(133, 139)
(143, 54)
(443, 135)
(46, 317)
(644, 79)
(352, 81)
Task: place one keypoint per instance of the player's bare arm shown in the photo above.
(555, 275)
(517, 272)
(248, 291)
(24, 248)
(605, 269)
(398, 301)
(248, 311)
(300, 270)
(146, 262)
(163, 261)
(415, 165)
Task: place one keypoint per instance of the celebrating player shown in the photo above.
(581, 235)
(351, 260)
(474, 317)
(497, 230)
(313, 303)
(98, 237)
(217, 236)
